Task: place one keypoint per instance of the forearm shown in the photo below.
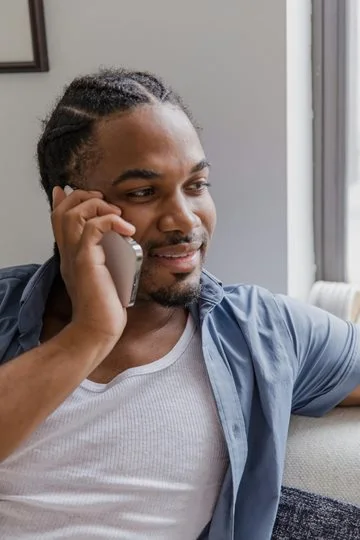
(352, 400)
(34, 384)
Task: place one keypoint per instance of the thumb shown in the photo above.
(58, 196)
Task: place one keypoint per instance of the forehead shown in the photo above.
(148, 136)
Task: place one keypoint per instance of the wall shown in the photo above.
(229, 63)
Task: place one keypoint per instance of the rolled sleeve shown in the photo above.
(326, 356)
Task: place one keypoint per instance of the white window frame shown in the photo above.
(329, 42)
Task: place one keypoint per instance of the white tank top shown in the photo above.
(140, 457)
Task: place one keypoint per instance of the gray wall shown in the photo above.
(229, 62)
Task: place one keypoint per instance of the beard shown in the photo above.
(177, 296)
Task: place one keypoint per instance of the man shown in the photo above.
(167, 420)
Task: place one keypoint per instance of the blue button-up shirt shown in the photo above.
(267, 356)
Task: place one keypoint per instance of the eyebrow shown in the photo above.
(148, 174)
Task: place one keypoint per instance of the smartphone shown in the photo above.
(123, 258)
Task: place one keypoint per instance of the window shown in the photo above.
(336, 103)
(329, 71)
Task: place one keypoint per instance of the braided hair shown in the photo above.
(66, 146)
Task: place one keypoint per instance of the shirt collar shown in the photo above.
(34, 296)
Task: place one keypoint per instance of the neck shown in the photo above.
(149, 317)
(142, 318)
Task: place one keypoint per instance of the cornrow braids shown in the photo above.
(66, 147)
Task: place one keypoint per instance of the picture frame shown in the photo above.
(23, 46)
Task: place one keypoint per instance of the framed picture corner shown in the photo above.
(23, 44)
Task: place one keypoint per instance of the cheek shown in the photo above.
(207, 215)
(140, 218)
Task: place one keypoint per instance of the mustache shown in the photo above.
(175, 239)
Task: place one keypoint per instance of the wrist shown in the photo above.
(80, 341)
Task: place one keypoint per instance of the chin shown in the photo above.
(180, 290)
(176, 296)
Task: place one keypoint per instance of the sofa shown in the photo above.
(320, 497)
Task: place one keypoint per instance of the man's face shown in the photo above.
(153, 167)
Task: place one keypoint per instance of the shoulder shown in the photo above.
(252, 300)
(13, 280)
(253, 297)
(264, 315)
(299, 325)
(254, 310)
(20, 271)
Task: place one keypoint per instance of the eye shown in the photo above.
(141, 193)
(199, 186)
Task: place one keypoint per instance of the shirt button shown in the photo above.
(236, 430)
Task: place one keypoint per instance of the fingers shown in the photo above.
(75, 198)
(85, 211)
(95, 229)
(58, 196)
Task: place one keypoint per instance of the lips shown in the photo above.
(176, 251)
(180, 258)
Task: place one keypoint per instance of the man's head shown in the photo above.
(130, 136)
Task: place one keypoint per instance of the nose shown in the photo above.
(178, 215)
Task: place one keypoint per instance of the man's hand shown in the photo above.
(79, 222)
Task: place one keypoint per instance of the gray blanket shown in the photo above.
(306, 516)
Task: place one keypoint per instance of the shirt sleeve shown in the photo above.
(327, 356)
